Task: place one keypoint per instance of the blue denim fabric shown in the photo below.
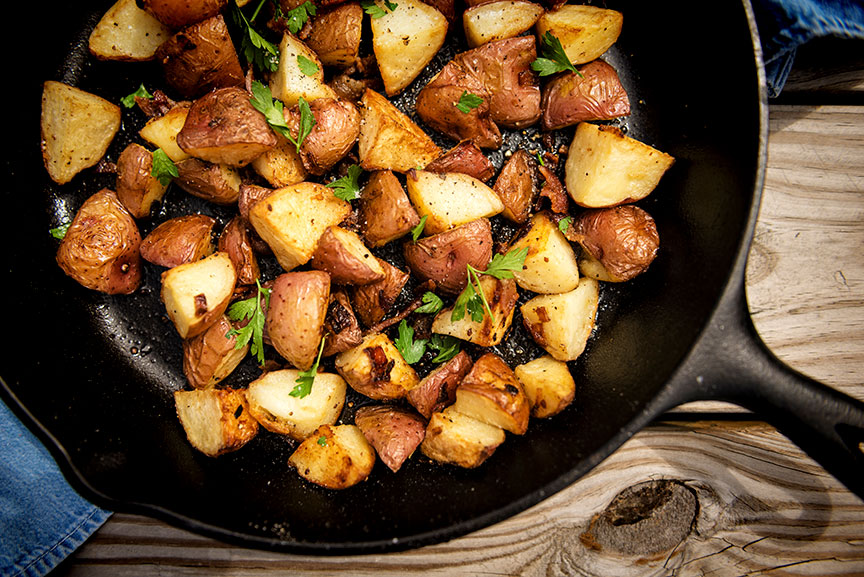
(784, 25)
(42, 519)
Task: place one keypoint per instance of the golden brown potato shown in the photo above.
(443, 257)
(281, 165)
(341, 253)
(450, 199)
(337, 126)
(501, 294)
(216, 421)
(385, 212)
(392, 431)
(562, 323)
(295, 317)
(137, 188)
(623, 239)
(179, 240)
(491, 393)
(236, 242)
(585, 32)
(341, 328)
(456, 439)
(127, 33)
(550, 265)
(197, 294)
(161, 131)
(218, 183)
(374, 300)
(516, 186)
(437, 390)
(597, 94)
(223, 127)
(76, 129)
(199, 58)
(548, 384)
(334, 457)
(467, 158)
(335, 34)
(375, 368)
(498, 19)
(213, 355)
(290, 83)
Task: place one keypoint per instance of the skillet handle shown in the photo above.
(732, 363)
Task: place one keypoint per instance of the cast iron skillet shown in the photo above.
(94, 375)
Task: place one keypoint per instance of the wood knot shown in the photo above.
(645, 519)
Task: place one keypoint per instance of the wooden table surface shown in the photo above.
(722, 497)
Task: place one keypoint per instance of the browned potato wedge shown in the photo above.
(137, 188)
(405, 41)
(385, 212)
(394, 432)
(390, 140)
(550, 265)
(376, 369)
(334, 457)
(179, 240)
(374, 300)
(127, 33)
(443, 257)
(161, 131)
(491, 393)
(100, 249)
(456, 439)
(516, 186)
(501, 294)
(623, 240)
(585, 32)
(450, 199)
(437, 390)
(223, 127)
(211, 356)
(216, 421)
(498, 20)
(597, 94)
(293, 218)
(341, 253)
(341, 328)
(218, 183)
(200, 58)
(335, 34)
(249, 195)
(337, 126)
(466, 157)
(281, 165)
(548, 384)
(289, 83)
(271, 402)
(176, 14)
(562, 323)
(196, 294)
(295, 317)
(77, 128)
(236, 242)
(605, 167)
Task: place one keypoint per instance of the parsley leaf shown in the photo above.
(59, 232)
(411, 350)
(322, 440)
(252, 310)
(273, 110)
(305, 379)
(163, 168)
(503, 265)
(376, 11)
(260, 52)
(468, 102)
(307, 122)
(564, 223)
(129, 100)
(472, 299)
(347, 187)
(297, 17)
(540, 159)
(447, 347)
(418, 230)
(433, 303)
(553, 59)
(307, 67)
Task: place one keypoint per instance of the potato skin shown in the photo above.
(466, 157)
(385, 211)
(394, 432)
(341, 253)
(179, 240)
(236, 241)
(341, 328)
(212, 182)
(598, 94)
(373, 301)
(295, 317)
(176, 14)
(136, 187)
(516, 186)
(337, 126)
(101, 247)
(334, 34)
(442, 258)
(437, 390)
(211, 356)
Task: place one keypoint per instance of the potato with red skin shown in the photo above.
(516, 186)
(101, 246)
(375, 368)
(295, 317)
(385, 212)
(624, 239)
(176, 14)
(236, 241)
(136, 186)
(491, 393)
(341, 253)
(199, 58)
(223, 127)
(374, 300)
(248, 195)
(334, 34)
(597, 94)
(216, 183)
(179, 240)
(341, 328)
(336, 129)
(394, 432)
(466, 157)
(197, 293)
(211, 356)
(442, 257)
(437, 390)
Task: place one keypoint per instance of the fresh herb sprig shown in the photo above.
(432, 303)
(259, 51)
(376, 11)
(307, 66)
(447, 347)
(163, 168)
(273, 110)
(552, 58)
(410, 349)
(250, 309)
(348, 187)
(418, 230)
(472, 298)
(564, 223)
(129, 100)
(59, 232)
(468, 102)
(297, 17)
(306, 379)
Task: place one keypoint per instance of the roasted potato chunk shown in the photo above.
(335, 34)
(437, 390)
(373, 301)
(498, 20)
(334, 457)
(196, 294)
(289, 83)
(161, 131)
(179, 240)
(235, 240)
(548, 384)
(465, 157)
(595, 93)
(278, 411)
(516, 186)
(100, 249)
(550, 265)
(216, 421)
(127, 33)
(281, 165)
(218, 183)
(585, 32)
(136, 186)
(562, 323)
(394, 432)
(211, 356)
(501, 294)
(385, 213)
(457, 439)
(448, 200)
(376, 369)
(341, 253)
(77, 128)
(341, 328)
(491, 393)
(443, 257)
(337, 126)
(295, 317)
(176, 14)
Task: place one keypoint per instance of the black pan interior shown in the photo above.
(98, 372)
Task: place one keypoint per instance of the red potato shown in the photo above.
(337, 127)
(236, 241)
(217, 183)
(437, 390)
(179, 240)
(197, 293)
(394, 432)
(100, 249)
(385, 213)
(597, 94)
(466, 157)
(176, 14)
(295, 317)
(516, 186)
(341, 253)
(248, 195)
(491, 393)
(442, 258)
(341, 328)
(211, 356)
(136, 186)
(334, 34)
(373, 301)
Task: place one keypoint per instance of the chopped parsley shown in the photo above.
(447, 347)
(129, 100)
(468, 102)
(371, 8)
(322, 440)
(59, 232)
(259, 51)
(348, 187)
(163, 168)
(306, 378)
(297, 17)
(472, 299)
(273, 110)
(418, 230)
(553, 59)
(432, 303)
(250, 309)
(564, 223)
(411, 350)
(307, 67)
